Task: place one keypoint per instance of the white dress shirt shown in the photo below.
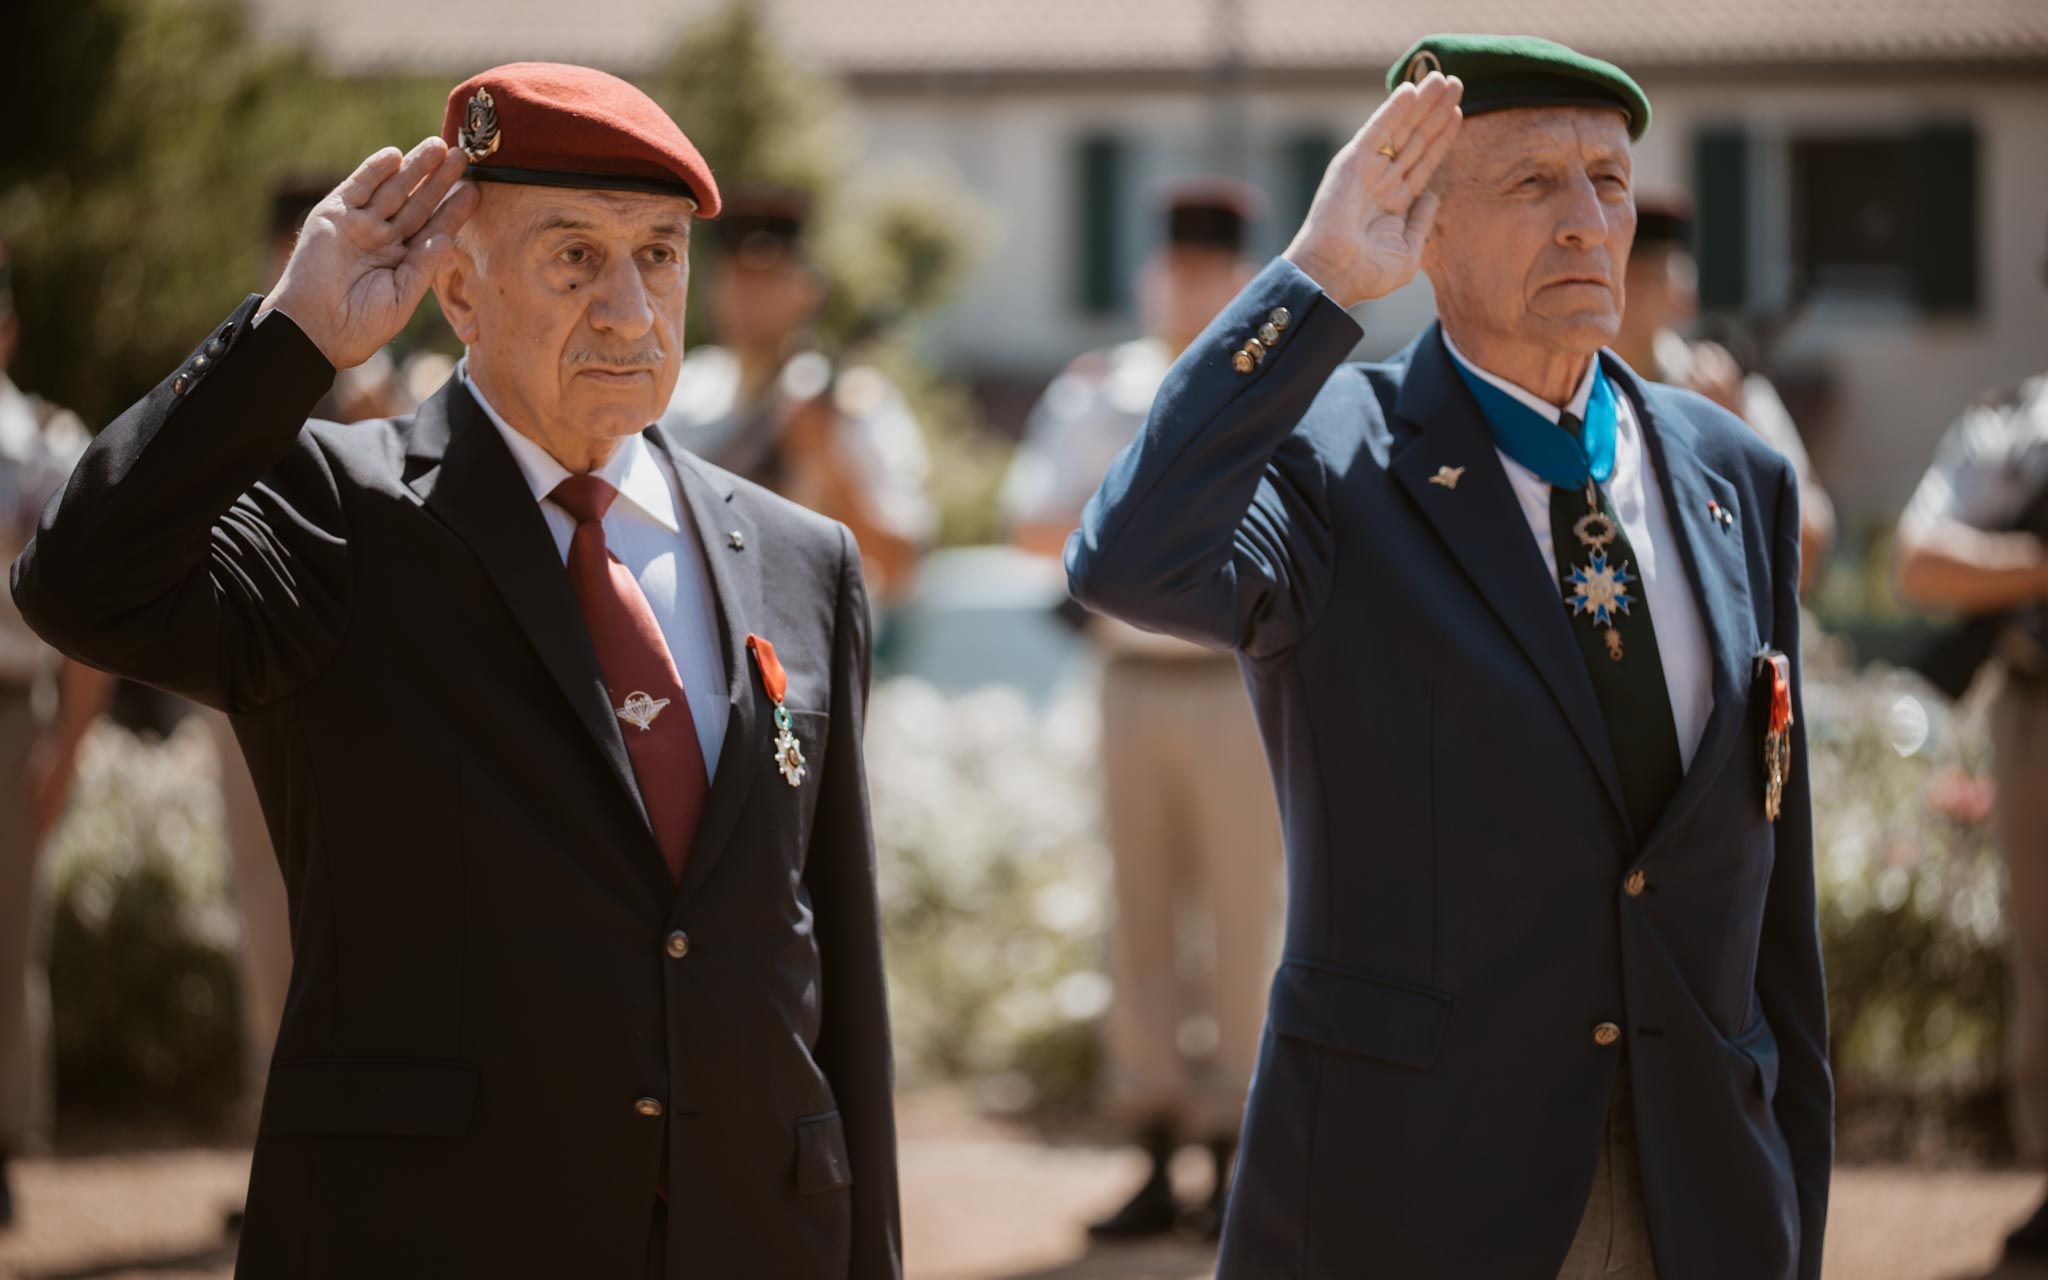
(1639, 502)
(646, 531)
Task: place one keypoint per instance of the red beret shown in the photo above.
(554, 125)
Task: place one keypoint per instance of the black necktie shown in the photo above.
(1628, 674)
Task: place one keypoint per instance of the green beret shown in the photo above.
(1501, 72)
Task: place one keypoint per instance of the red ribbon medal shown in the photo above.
(789, 753)
(1777, 669)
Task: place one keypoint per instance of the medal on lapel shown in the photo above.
(1598, 588)
(1774, 681)
(789, 753)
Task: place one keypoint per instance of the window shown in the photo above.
(1099, 185)
(1887, 216)
(1851, 210)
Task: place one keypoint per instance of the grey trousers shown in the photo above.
(1613, 1242)
(25, 1048)
(2019, 753)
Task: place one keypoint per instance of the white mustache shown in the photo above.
(620, 360)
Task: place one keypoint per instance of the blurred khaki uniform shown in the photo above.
(1987, 469)
(877, 443)
(39, 444)
(1192, 822)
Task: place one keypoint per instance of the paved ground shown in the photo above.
(980, 1203)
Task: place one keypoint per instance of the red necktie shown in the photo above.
(647, 694)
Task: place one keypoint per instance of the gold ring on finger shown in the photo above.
(1389, 150)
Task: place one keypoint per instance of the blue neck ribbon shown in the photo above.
(1543, 446)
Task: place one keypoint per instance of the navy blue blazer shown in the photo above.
(1431, 1098)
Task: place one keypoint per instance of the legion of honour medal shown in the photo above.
(1598, 588)
(789, 753)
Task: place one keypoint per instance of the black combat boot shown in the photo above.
(1206, 1222)
(2029, 1240)
(1151, 1212)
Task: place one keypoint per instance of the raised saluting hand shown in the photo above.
(1365, 230)
(369, 250)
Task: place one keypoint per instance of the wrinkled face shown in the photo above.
(1186, 286)
(1531, 242)
(571, 303)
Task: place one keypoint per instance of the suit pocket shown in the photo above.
(1759, 1044)
(1357, 1013)
(358, 1096)
(821, 1163)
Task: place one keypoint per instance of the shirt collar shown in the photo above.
(1536, 402)
(632, 469)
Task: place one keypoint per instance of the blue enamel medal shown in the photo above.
(1599, 589)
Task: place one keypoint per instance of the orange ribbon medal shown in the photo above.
(1777, 668)
(789, 753)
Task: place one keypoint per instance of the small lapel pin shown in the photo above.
(738, 540)
(640, 710)
(1721, 513)
(1448, 477)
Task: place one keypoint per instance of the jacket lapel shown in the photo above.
(1481, 522)
(1717, 569)
(735, 577)
(466, 477)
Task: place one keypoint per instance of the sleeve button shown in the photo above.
(1242, 362)
(181, 384)
(1269, 333)
(1281, 317)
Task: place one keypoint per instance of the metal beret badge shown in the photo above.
(479, 135)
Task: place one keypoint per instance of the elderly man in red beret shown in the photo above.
(557, 730)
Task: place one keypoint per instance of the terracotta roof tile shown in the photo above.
(886, 38)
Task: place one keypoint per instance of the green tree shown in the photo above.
(136, 200)
(895, 246)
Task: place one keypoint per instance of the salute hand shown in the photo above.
(369, 250)
(1365, 230)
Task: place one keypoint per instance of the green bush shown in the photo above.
(143, 984)
(1910, 908)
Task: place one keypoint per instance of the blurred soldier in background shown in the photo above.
(1193, 826)
(46, 705)
(1662, 301)
(1974, 541)
(768, 406)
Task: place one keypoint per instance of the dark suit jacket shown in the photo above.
(483, 988)
(1430, 1096)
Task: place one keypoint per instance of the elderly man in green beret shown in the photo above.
(1521, 629)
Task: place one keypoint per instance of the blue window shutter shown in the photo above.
(1942, 254)
(1100, 165)
(1721, 189)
